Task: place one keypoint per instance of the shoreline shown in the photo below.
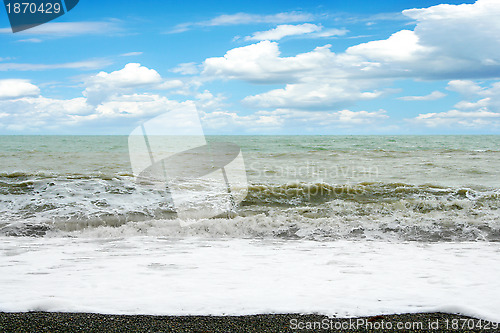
(93, 322)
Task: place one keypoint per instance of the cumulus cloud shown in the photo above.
(430, 97)
(483, 111)
(40, 113)
(402, 46)
(132, 106)
(108, 98)
(453, 118)
(454, 42)
(458, 43)
(17, 88)
(464, 87)
(35, 113)
(477, 97)
(290, 119)
(262, 63)
(311, 80)
(133, 76)
(313, 95)
(459, 35)
(122, 107)
(449, 41)
(206, 101)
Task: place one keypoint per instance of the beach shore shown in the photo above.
(91, 322)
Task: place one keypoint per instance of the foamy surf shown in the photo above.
(113, 206)
(145, 275)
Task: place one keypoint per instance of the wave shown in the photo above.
(113, 205)
(293, 193)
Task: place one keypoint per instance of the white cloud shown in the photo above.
(38, 113)
(448, 41)
(188, 68)
(261, 63)
(464, 87)
(206, 101)
(223, 120)
(30, 40)
(83, 65)
(244, 18)
(312, 80)
(122, 104)
(66, 29)
(430, 97)
(131, 54)
(290, 119)
(482, 112)
(401, 46)
(454, 118)
(457, 43)
(285, 30)
(463, 38)
(481, 104)
(17, 88)
(170, 84)
(106, 85)
(133, 74)
(329, 33)
(487, 97)
(133, 106)
(21, 112)
(313, 95)
(35, 113)
(108, 99)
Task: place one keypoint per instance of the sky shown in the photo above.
(256, 67)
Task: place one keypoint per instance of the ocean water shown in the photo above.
(341, 225)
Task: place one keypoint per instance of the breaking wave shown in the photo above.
(102, 205)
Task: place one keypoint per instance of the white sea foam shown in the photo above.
(149, 275)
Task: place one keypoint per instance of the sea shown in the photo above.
(338, 225)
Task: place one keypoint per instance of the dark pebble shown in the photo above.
(90, 322)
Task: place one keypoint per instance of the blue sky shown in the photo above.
(258, 67)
